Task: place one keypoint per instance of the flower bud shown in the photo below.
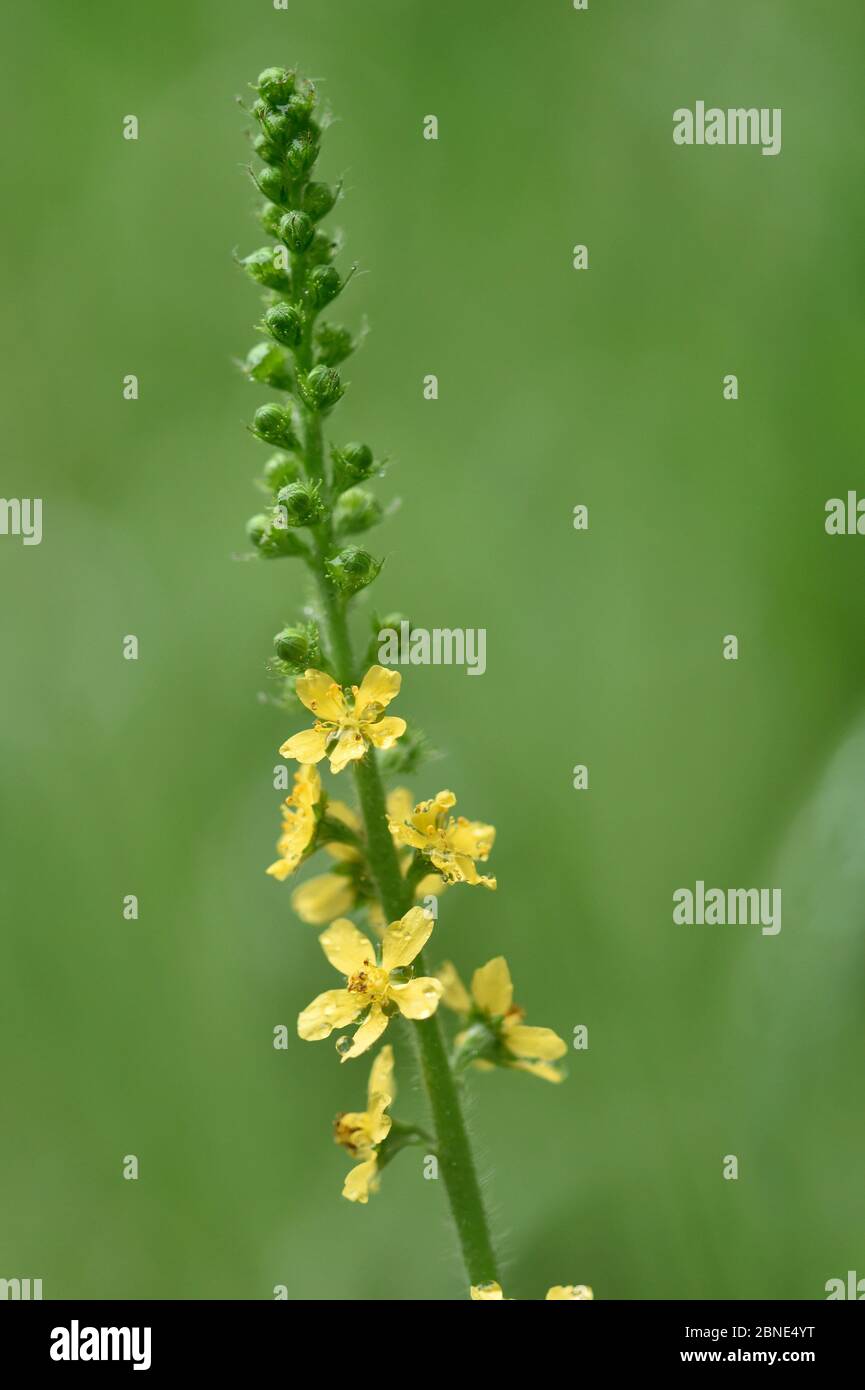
(297, 646)
(321, 388)
(334, 344)
(300, 504)
(272, 541)
(296, 230)
(280, 470)
(275, 86)
(270, 216)
(260, 266)
(285, 323)
(357, 510)
(301, 155)
(280, 127)
(322, 249)
(323, 285)
(270, 183)
(352, 569)
(353, 464)
(318, 199)
(267, 150)
(273, 424)
(267, 363)
(301, 104)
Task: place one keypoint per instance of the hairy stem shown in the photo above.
(453, 1149)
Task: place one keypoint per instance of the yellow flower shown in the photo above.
(571, 1293)
(360, 1133)
(343, 729)
(327, 896)
(376, 987)
(298, 822)
(499, 1036)
(451, 843)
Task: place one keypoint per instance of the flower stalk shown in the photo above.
(392, 856)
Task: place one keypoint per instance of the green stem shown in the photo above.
(453, 1150)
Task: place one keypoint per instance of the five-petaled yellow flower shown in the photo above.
(361, 1132)
(491, 1003)
(344, 729)
(298, 822)
(570, 1293)
(451, 843)
(326, 896)
(376, 987)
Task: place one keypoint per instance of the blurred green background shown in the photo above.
(556, 387)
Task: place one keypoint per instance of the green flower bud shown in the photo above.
(271, 184)
(274, 425)
(352, 569)
(322, 249)
(353, 464)
(267, 150)
(270, 216)
(259, 265)
(301, 155)
(334, 344)
(275, 86)
(301, 104)
(285, 323)
(323, 285)
(321, 388)
(357, 510)
(272, 541)
(300, 504)
(318, 199)
(280, 127)
(267, 363)
(280, 470)
(297, 647)
(296, 230)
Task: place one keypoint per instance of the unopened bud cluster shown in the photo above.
(312, 487)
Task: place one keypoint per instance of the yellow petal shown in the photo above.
(336, 849)
(333, 1009)
(407, 835)
(430, 886)
(321, 694)
(368, 1033)
(346, 948)
(455, 995)
(538, 1043)
(492, 988)
(323, 898)
(307, 786)
(381, 1076)
(349, 746)
(378, 687)
(399, 804)
(281, 869)
(385, 732)
(427, 814)
(309, 746)
(379, 1123)
(472, 837)
(547, 1071)
(571, 1293)
(362, 1180)
(487, 1293)
(417, 999)
(403, 940)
